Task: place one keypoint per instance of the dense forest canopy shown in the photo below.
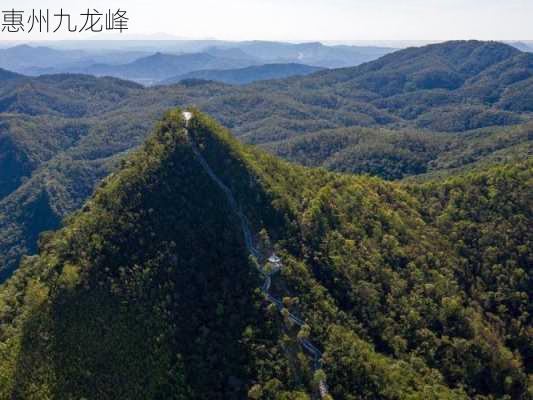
(412, 290)
(419, 112)
(124, 272)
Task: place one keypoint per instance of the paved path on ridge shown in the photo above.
(315, 354)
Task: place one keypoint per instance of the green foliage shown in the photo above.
(412, 290)
(358, 372)
(61, 134)
(136, 297)
(399, 154)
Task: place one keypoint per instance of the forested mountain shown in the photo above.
(56, 144)
(40, 119)
(411, 290)
(455, 86)
(242, 76)
(390, 118)
(448, 87)
(397, 154)
(161, 347)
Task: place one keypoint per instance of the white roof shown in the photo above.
(274, 259)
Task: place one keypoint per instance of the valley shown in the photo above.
(358, 253)
(348, 233)
(68, 131)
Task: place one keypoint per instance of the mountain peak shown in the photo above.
(150, 291)
(171, 264)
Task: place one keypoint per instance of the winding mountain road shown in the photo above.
(314, 353)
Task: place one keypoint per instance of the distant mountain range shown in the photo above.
(20, 58)
(38, 60)
(246, 75)
(527, 47)
(158, 67)
(180, 57)
(315, 53)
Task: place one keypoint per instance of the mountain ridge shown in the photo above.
(242, 76)
(76, 128)
(158, 245)
(161, 66)
(152, 361)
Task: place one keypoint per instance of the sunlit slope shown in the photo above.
(148, 291)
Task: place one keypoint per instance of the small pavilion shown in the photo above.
(275, 260)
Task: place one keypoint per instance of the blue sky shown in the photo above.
(311, 19)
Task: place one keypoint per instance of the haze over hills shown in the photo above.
(266, 51)
(522, 46)
(429, 110)
(38, 60)
(153, 61)
(246, 75)
(417, 290)
(158, 67)
(315, 53)
(21, 57)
